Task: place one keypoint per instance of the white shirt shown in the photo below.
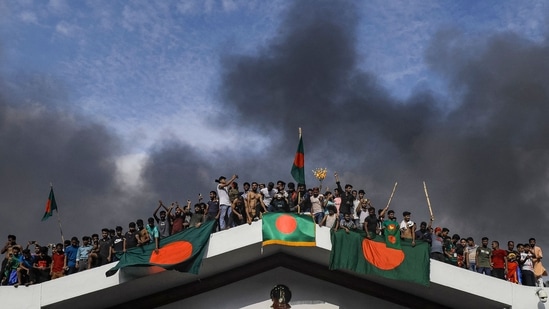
(267, 196)
(223, 195)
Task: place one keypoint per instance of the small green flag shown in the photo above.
(51, 205)
(182, 251)
(392, 234)
(355, 252)
(288, 229)
(298, 168)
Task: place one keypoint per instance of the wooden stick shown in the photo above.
(428, 201)
(391, 197)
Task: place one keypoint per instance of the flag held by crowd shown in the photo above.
(51, 205)
(182, 251)
(288, 229)
(298, 168)
(355, 252)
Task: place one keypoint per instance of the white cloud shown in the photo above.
(129, 169)
(67, 29)
(58, 6)
(28, 17)
(229, 5)
(209, 5)
(187, 7)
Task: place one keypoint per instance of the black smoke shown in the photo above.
(482, 149)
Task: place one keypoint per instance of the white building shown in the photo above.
(237, 272)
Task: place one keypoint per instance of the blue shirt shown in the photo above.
(83, 252)
(153, 232)
(27, 263)
(71, 253)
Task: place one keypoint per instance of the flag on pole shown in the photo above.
(377, 257)
(182, 251)
(51, 205)
(288, 229)
(298, 168)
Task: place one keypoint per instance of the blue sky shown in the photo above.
(135, 85)
(148, 68)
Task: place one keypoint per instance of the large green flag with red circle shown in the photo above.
(298, 167)
(182, 251)
(377, 257)
(288, 229)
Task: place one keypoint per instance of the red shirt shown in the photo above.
(498, 258)
(58, 262)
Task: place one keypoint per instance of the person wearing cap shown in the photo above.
(224, 200)
(513, 270)
(437, 243)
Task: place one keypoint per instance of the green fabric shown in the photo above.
(51, 205)
(347, 253)
(392, 234)
(298, 168)
(141, 256)
(288, 229)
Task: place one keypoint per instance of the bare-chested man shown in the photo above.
(253, 198)
(408, 228)
(142, 235)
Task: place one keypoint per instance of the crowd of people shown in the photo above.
(343, 209)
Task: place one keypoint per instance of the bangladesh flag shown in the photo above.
(51, 205)
(392, 234)
(182, 251)
(288, 229)
(355, 252)
(298, 168)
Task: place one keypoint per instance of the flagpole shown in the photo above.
(428, 200)
(299, 193)
(59, 221)
(390, 197)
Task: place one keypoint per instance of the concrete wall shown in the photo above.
(253, 293)
(91, 289)
(518, 296)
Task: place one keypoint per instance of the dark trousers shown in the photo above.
(437, 256)
(528, 278)
(498, 273)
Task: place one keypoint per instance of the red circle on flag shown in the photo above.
(286, 224)
(299, 160)
(172, 253)
(382, 257)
